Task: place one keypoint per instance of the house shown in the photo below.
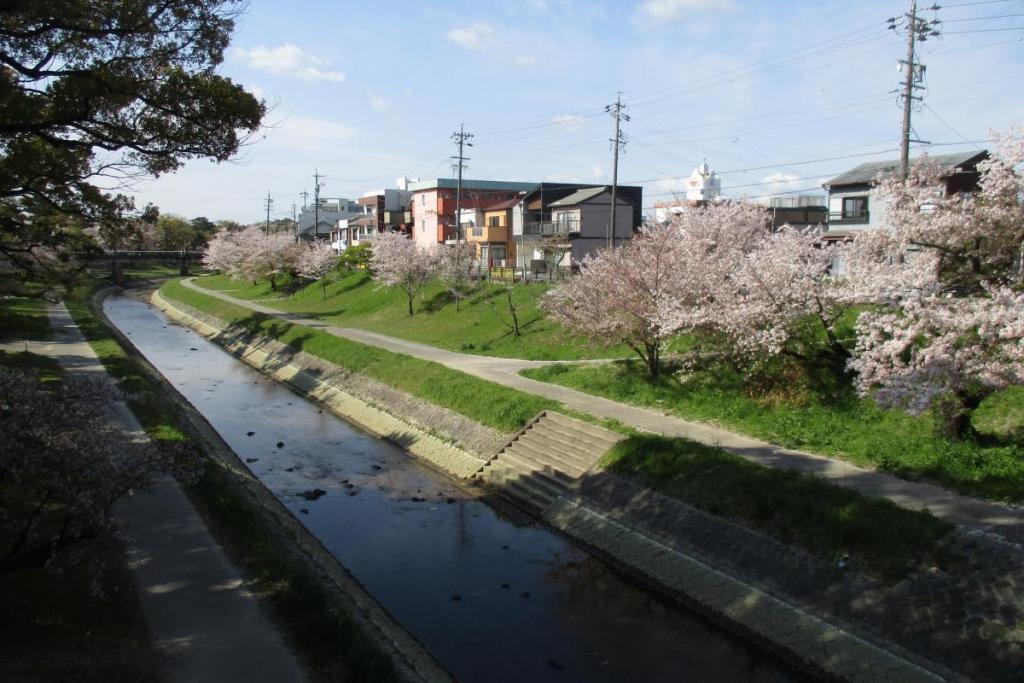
(492, 236)
(317, 222)
(581, 227)
(852, 207)
(433, 204)
(380, 211)
(801, 211)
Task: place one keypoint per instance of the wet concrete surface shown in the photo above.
(492, 595)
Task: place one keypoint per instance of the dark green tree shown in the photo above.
(96, 93)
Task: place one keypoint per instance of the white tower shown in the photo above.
(704, 184)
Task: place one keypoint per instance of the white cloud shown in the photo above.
(380, 103)
(498, 41)
(475, 36)
(596, 172)
(665, 186)
(570, 121)
(310, 133)
(287, 60)
(775, 183)
(674, 10)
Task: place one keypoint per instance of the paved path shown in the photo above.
(206, 626)
(963, 510)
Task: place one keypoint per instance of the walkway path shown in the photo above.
(206, 626)
(963, 510)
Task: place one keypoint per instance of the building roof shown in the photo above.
(580, 196)
(866, 173)
(467, 184)
(502, 206)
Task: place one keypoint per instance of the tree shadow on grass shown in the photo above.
(436, 302)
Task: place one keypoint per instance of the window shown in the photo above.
(495, 221)
(855, 207)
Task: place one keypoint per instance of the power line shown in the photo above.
(986, 30)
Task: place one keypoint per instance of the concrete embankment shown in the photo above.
(600, 511)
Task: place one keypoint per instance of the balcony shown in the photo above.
(849, 218)
(552, 228)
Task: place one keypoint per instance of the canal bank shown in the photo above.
(631, 527)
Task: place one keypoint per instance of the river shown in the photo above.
(491, 594)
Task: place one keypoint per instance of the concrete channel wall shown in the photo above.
(813, 645)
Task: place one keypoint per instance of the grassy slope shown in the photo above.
(481, 326)
(23, 318)
(826, 519)
(331, 643)
(855, 430)
(491, 404)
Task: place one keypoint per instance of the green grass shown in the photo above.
(849, 428)
(480, 327)
(24, 318)
(491, 404)
(332, 645)
(48, 369)
(830, 521)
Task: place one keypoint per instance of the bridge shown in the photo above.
(118, 258)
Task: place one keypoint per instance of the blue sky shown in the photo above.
(368, 92)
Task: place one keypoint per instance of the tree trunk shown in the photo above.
(409, 296)
(512, 311)
(954, 416)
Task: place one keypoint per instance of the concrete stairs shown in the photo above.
(542, 461)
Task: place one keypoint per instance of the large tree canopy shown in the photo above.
(96, 92)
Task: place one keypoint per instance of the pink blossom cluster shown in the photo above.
(251, 254)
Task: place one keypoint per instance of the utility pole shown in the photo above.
(462, 139)
(917, 29)
(617, 112)
(270, 203)
(316, 203)
(305, 196)
(295, 220)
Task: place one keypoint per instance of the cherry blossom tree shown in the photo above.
(780, 297)
(667, 279)
(315, 261)
(64, 464)
(224, 253)
(266, 257)
(975, 237)
(398, 261)
(950, 341)
(456, 267)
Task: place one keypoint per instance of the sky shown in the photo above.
(776, 96)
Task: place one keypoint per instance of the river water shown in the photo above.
(493, 596)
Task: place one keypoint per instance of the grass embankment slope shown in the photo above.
(490, 404)
(830, 521)
(847, 427)
(330, 643)
(481, 326)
